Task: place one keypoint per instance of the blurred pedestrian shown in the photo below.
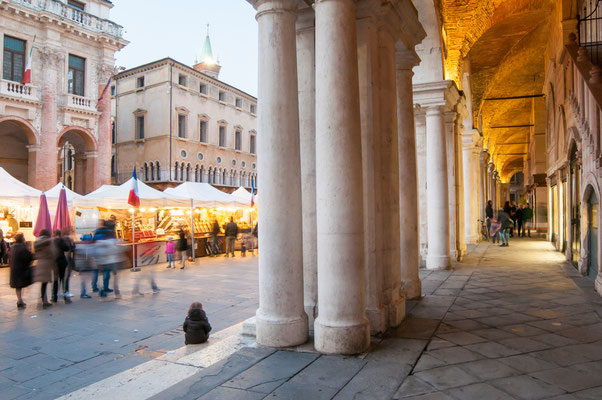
(506, 223)
(108, 257)
(20, 268)
(215, 231)
(182, 247)
(170, 249)
(196, 325)
(45, 269)
(231, 233)
(70, 254)
(527, 217)
(3, 248)
(61, 264)
(518, 216)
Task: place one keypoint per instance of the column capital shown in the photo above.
(271, 6)
(103, 71)
(33, 148)
(51, 57)
(306, 19)
(405, 59)
(432, 110)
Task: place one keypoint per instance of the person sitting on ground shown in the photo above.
(196, 325)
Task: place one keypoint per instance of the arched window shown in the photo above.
(158, 171)
(152, 170)
(146, 172)
(70, 183)
(176, 171)
(182, 166)
(69, 160)
(188, 173)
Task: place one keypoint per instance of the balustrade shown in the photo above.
(15, 89)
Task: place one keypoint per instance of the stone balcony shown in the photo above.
(80, 103)
(80, 18)
(17, 91)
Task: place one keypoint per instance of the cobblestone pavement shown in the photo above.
(47, 353)
(507, 323)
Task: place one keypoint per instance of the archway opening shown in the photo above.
(593, 235)
(14, 154)
(76, 166)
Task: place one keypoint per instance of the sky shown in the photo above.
(177, 29)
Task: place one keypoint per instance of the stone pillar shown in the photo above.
(46, 160)
(103, 164)
(470, 188)
(307, 130)
(33, 150)
(80, 166)
(281, 320)
(438, 256)
(341, 326)
(92, 161)
(409, 234)
(450, 143)
(459, 189)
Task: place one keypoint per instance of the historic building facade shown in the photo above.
(176, 123)
(55, 121)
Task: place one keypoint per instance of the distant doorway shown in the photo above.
(592, 232)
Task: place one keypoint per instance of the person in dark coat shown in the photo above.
(196, 325)
(231, 233)
(489, 214)
(518, 217)
(215, 231)
(506, 222)
(3, 248)
(45, 269)
(20, 268)
(62, 263)
(182, 247)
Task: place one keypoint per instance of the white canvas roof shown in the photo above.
(245, 195)
(55, 192)
(205, 195)
(13, 191)
(117, 197)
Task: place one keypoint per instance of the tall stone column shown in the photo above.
(452, 171)
(459, 188)
(306, 67)
(92, 161)
(438, 256)
(470, 188)
(46, 159)
(103, 161)
(409, 234)
(341, 326)
(281, 319)
(80, 168)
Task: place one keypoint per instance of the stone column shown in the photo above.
(306, 74)
(341, 326)
(459, 188)
(92, 161)
(103, 164)
(80, 169)
(452, 171)
(470, 189)
(46, 160)
(281, 320)
(438, 256)
(409, 233)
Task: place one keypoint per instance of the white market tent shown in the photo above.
(244, 195)
(15, 192)
(205, 195)
(117, 197)
(55, 192)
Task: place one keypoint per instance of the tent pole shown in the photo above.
(192, 228)
(134, 240)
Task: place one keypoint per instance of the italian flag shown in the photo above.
(134, 197)
(27, 73)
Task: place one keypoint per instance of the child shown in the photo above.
(170, 249)
(196, 326)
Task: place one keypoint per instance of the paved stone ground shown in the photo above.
(507, 323)
(47, 353)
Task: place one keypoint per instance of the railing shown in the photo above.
(590, 29)
(15, 89)
(79, 102)
(81, 18)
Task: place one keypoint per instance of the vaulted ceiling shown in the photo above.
(504, 42)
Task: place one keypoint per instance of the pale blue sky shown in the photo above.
(176, 29)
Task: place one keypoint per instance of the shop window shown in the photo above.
(76, 75)
(13, 63)
(203, 132)
(238, 140)
(181, 126)
(252, 144)
(222, 136)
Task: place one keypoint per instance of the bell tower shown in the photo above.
(208, 65)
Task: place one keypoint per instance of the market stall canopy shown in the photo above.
(55, 193)
(16, 192)
(117, 197)
(205, 195)
(244, 195)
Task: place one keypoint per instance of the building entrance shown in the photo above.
(592, 232)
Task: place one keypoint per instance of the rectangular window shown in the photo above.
(140, 82)
(238, 141)
(203, 88)
(253, 109)
(113, 166)
(203, 135)
(13, 63)
(113, 91)
(140, 127)
(182, 80)
(182, 126)
(113, 133)
(222, 96)
(238, 102)
(77, 69)
(77, 4)
(222, 136)
(252, 144)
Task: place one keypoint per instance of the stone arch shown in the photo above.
(18, 136)
(84, 144)
(590, 184)
(87, 137)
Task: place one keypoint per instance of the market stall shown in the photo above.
(159, 216)
(18, 206)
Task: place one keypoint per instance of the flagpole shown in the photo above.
(134, 240)
(192, 228)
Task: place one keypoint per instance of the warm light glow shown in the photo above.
(131, 210)
(143, 209)
(152, 209)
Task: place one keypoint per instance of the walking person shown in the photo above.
(20, 268)
(231, 233)
(527, 217)
(170, 250)
(215, 231)
(61, 263)
(70, 254)
(182, 247)
(506, 224)
(3, 248)
(518, 216)
(489, 214)
(108, 257)
(45, 269)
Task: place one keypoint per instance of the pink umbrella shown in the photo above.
(43, 220)
(61, 218)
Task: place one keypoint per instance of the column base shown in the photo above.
(312, 311)
(438, 262)
(378, 320)
(273, 332)
(342, 339)
(397, 312)
(412, 289)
